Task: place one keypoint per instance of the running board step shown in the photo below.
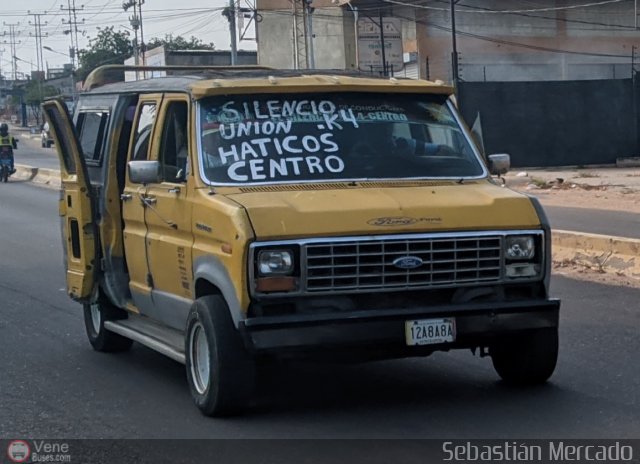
(165, 340)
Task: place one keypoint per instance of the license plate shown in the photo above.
(430, 331)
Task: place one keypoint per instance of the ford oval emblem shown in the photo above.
(408, 262)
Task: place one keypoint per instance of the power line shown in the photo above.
(12, 42)
(486, 11)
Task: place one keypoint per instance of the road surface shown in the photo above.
(54, 385)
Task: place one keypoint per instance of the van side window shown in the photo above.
(92, 127)
(174, 148)
(143, 132)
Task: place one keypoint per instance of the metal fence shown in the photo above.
(557, 123)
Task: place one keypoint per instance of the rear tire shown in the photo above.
(5, 175)
(526, 359)
(220, 370)
(95, 315)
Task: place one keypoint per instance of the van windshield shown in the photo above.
(266, 139)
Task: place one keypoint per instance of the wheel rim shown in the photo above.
(199, 348)
(95, 317)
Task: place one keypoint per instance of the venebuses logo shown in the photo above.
(18, 451)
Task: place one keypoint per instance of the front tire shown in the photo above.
(220, 371)
(95, 315)
(526, 359)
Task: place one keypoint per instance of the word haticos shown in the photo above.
(266, 149)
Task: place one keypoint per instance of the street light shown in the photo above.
(54, 51)
(73, 78)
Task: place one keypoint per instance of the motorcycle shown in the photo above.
(5, 163)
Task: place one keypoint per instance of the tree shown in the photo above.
(34, 94)
(179, 43)
(108, 47)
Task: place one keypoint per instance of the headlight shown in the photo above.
(519, 247)
(275, 262)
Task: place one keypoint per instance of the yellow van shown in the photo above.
(227, 216)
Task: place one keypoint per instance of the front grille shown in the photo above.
(368, 264)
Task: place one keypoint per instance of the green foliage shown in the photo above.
(179, 43)
(108, 47)
(36, 92)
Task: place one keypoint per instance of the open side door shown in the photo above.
(79, 231)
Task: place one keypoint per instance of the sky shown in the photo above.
(200, 18)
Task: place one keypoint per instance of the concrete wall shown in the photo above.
(606, 29)
(334, 43)
(334, 29)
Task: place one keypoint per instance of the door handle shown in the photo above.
(126, 197)
(150, 200)
(174, 190)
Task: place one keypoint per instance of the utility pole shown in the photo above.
(72, 22)
(134, 20)
(299, 35)
(73, 35)
(230, 14)
(454, 53)
(12, 42)
(37, 24)
(308, 15)
(136, 23)
(383, 45)
(143, 47)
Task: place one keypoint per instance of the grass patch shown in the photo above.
(584, 175)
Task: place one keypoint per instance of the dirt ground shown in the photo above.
(580, 272)
(604, 188)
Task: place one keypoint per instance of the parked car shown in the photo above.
(225, 217)
(45, 136)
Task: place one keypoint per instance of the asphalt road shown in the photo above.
(31, 153)
(595, 221)
(53, 385)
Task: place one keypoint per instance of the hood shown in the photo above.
(282, 212)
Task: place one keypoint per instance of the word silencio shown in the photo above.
(258, 144)
(553, 451)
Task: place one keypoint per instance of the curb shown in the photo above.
(604, 253)
(46, 177)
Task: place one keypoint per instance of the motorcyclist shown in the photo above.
(8, 140)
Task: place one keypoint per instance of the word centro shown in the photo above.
(524, 452)
(294, 166)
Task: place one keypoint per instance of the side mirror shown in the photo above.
(144, 172)
(499, 164)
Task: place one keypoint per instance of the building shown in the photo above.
(508, 40)
(497, 40)
(286, 26)
(160, 56)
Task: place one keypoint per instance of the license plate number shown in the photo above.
(430, 331)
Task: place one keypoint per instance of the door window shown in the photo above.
(92, 128)
(57, 120)
(174, 148)
(143, 132)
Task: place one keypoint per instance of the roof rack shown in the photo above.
(111, 73)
